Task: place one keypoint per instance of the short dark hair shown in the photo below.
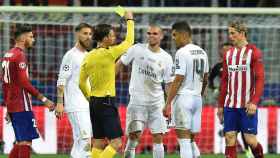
(21, 29)
(182, 26)
(101, 31)
(81, 26)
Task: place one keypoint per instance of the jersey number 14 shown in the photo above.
(198, 68)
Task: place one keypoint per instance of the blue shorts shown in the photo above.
(236, 119)
(24, 125)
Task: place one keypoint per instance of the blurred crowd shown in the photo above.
(154, 3)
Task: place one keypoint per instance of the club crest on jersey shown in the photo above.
(66, 67)
(22, 65)
(160, 64)
(244, 56)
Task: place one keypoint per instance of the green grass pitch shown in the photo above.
(145, 156)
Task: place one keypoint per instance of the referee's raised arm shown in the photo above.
(120, 49)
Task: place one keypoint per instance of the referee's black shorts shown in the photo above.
(105, 118)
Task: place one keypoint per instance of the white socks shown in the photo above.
(85, 147)
(158, 151)
(129, 151)
(195, 150)
(188, 149)
(185, 148)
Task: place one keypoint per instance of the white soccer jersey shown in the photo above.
(149, 70)
(192, 62)
(69, 73)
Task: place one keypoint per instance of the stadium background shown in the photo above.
(54, 36)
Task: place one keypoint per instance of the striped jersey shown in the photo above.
(242, 77)
(16, 85)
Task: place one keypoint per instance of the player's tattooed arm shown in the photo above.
(59, 104)
(60, 92)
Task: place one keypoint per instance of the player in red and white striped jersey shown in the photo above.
(16, 93)
(242, 86)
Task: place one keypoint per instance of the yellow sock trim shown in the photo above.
(95, 153)
(108, 152)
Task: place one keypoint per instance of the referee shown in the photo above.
(99, 68)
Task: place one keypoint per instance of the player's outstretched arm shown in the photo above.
(25, 83)
(120, 49)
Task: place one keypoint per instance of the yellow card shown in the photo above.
(120, 11)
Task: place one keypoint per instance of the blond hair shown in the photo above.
(239, 26)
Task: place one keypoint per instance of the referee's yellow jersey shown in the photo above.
(99, 67)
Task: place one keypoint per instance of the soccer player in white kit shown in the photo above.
(187, 89)
(75, 104)
(151, 66)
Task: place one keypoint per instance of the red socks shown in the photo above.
(258, 151)
(20, 151)
(231, 152)
(14, 152)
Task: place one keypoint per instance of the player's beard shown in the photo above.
(28, 44)
(86, 44)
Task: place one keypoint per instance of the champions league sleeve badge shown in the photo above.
(66, 67)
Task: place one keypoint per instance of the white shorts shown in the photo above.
(186, 112)
(140, 116)
(81, 124)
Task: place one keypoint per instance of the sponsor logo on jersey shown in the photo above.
(148, 71)
(236, 68)
(22, 65)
